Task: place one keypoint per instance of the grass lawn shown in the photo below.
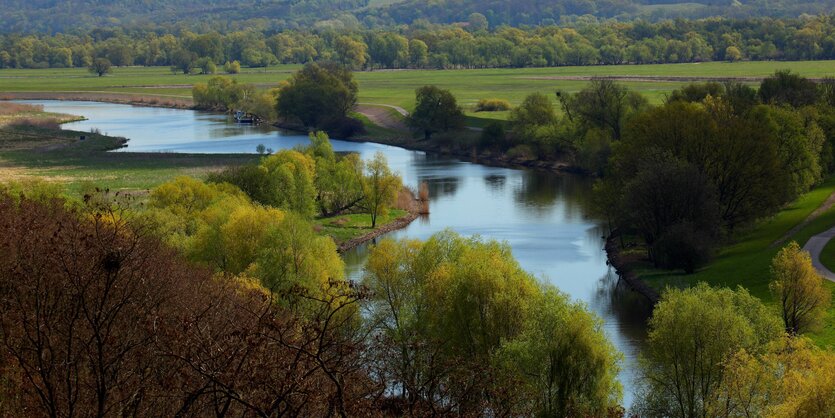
(747, 262)
(827, 256)
(398, 87)
(346, 227)
(59, 156)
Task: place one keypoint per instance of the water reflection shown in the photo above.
(544, 217)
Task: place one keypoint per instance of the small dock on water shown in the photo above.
(246, 118)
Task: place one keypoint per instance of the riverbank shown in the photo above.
(746, 261)
(145, 100)
(623, 266)
(78, 160)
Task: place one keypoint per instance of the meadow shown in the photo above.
(396, 87)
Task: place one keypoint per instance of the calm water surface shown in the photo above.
(542, 216)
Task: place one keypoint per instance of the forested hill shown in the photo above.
(27, 16)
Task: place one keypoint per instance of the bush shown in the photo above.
(521, 151)
(233, 67)
(493, 136)
(684, 247)
(345, 128)
(492, 105)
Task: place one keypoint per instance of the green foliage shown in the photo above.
(218, 226)
(536, 111)
(799, 290)
(693, 333)
(221, 93)
(436, 110)
(233, 67)
(380, 187)
(100, 66)
(784, 87)
(492, 105)
(318, 96)
(206, 65)
(454, 310)
(293, 175)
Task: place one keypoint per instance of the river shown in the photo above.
(543, 216)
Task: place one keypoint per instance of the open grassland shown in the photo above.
(747, 262)
(28, 152)
(397, 87)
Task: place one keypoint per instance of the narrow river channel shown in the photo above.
(543, 216)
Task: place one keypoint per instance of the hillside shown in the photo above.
(50, 16)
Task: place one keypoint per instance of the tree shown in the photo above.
(536, 111)
(350, 52)
(733, 54)
(792, 378)
(233, 67)
(565, 359)
(436, 110)
(339, 179)
(380, 187)
(100, 66)
(799, 288)
(477, 22)
(785, 87)
(318, 96)
(666, 192)
(693, 334)
(461, 327)
(604, 104)
(293, 175)
(418, 53)
(206, 66)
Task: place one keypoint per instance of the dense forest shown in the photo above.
(51, 16)
(425, 45)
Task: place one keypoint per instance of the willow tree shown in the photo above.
(799, 288)
(380, 187)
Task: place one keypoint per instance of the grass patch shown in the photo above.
(346, 227)
(398, 87)
(61, 156)
(747, 262)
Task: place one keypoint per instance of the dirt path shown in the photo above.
(815, 246)
(380, 115)
(825, 206)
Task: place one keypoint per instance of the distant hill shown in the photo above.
(49, 16)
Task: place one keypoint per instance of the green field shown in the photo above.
(397, 87)
(747, 261)
(60, 156)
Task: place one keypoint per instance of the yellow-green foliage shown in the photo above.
(492, 105)
(218, 226)
(792, 379)
(697, 330)
(469, 300)
(799, 290)
(293, 174)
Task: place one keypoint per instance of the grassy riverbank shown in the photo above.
(58, 156)
(397, 87)
(344, 228)
(747, 261)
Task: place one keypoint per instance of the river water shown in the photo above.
(543, 216)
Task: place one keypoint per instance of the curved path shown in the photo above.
(815, 246)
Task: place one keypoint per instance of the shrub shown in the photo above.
(492, 105)
(683, 247)
(493, 136)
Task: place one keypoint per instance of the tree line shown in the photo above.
(49, 16)
(424, 45)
